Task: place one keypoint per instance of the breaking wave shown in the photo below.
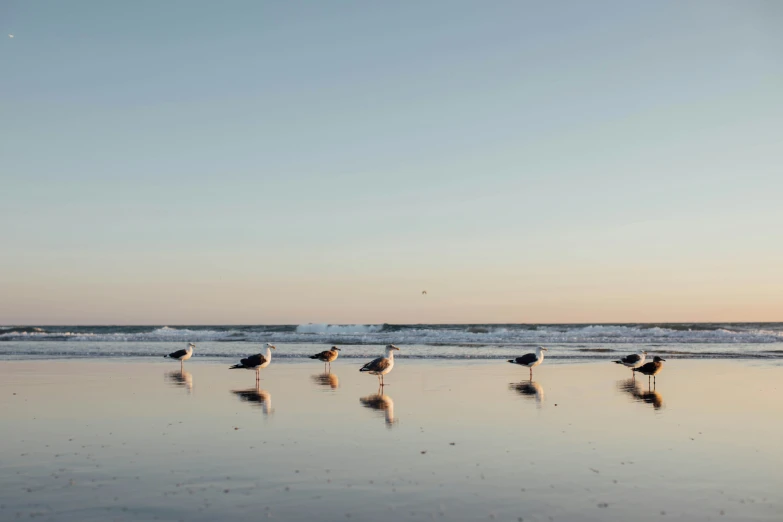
(421, 334)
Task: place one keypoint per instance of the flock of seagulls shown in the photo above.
(384, 364)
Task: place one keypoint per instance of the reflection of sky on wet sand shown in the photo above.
(97, 440)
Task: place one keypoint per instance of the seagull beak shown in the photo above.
(663, 359)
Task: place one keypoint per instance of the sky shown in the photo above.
(254, 162)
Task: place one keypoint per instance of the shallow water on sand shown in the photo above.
(140, 440)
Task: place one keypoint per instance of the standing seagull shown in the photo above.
(256, 362)
(382, 365)
(182, 355)
(327, 357)
(651, 369)
(633, 361)
(530, 359)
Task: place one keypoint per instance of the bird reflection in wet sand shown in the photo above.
(180, 378)
(327, 379)
(257, 397)
(632, 388)
(529, 389)
(380, 402)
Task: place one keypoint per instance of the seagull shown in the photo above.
(633, 361)
(530, 359)
(380, 402)
(423, 292)
(182, 355)
(651, 369)
(382, 365)
(327, 357)
(256, 362)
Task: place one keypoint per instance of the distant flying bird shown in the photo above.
(382, 365)
(651, 369)
(256, 362)
(530, 360)
(182, 355)
(633, 361)
(423, 292)
(327, 356)
(10, 36)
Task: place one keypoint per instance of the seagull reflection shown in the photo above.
(327, 379)
(529, 389)
(257, 397)
(380, 402)
(181, 378)
(632, 388)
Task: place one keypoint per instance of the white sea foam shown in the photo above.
(314, 333)
(338, 329)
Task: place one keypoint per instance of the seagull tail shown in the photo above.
(512, 361)
(618, 362)
(314, 357)
(165, 356)
(235, 367)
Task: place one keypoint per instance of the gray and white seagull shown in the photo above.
(633, 361)
(530, 359)
(182, 355)
(382, 365)
(256, 362)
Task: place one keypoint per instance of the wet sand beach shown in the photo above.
(466, 440)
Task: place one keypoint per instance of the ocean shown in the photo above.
(426, 341)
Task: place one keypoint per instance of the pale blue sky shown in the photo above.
(262, 162)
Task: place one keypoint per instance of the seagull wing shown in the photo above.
(253, 361)
(632, 359)
(376, 365)
(178, 354)
(528, 358)
(322, 356)
(645, 369)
